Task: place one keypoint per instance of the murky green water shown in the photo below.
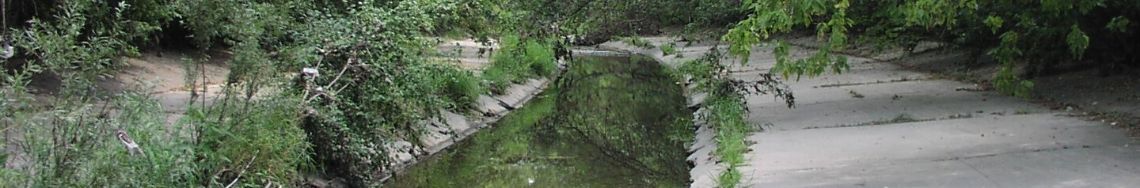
(609, 122)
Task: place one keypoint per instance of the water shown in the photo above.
(609, 122)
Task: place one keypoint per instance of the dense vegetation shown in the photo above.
(519, 60)
(1037, 34)
(297, 123)
(373, 82)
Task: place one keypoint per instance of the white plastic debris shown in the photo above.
(310, 72)
(8, 52)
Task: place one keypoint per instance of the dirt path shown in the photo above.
(880, 125)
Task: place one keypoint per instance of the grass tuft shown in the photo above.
(669, 49)
(517, 61)
(637, 41)
(726, 114)
(459, 88)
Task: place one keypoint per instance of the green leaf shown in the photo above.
(1119, 24)
(994, 23)
(1078, 41)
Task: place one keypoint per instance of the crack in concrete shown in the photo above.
(984, 175)
(901, 118)
(904, 79)
(962, 158)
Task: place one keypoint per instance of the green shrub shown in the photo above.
(248, 140)
(517, 61)
(669, 49)
(726, 115)
(459, 87)
(385, 93)
(506, 65)
(540, 56)
(637, 41)
(497, 78)
(261, 138)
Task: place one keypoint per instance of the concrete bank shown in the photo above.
(882, 125)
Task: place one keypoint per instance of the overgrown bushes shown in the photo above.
(259, 143)
(374, 89)
(459, 87)
(517, 61)
(1036, 33)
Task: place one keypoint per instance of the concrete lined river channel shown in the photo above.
(607, 122)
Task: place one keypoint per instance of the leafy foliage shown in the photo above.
(377, 87)
(517, 61)
(725, 108)
(593, 22)
(459, 87)
(669, 49)
(773, 17)
(1037, 33)
(253, 135)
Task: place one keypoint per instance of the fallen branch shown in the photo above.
(342, 70)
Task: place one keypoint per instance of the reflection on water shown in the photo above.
(609, 122)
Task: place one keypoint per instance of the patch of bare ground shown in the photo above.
(173, 80)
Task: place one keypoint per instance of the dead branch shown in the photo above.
(342, 70)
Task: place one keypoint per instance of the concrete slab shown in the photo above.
(518, 94)
(873, 73)
(825, 112)
(436, 137)
(466, 53)
(1112, 166)
(458, 123)
(1080, 168)
(706, 165)
(697, 99)
(925, 141)
(815, 95)
(918, 174)
(846, 131)
(490, 106)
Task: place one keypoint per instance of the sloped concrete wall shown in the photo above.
(706, 165)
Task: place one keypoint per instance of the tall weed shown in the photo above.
(519, 60)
